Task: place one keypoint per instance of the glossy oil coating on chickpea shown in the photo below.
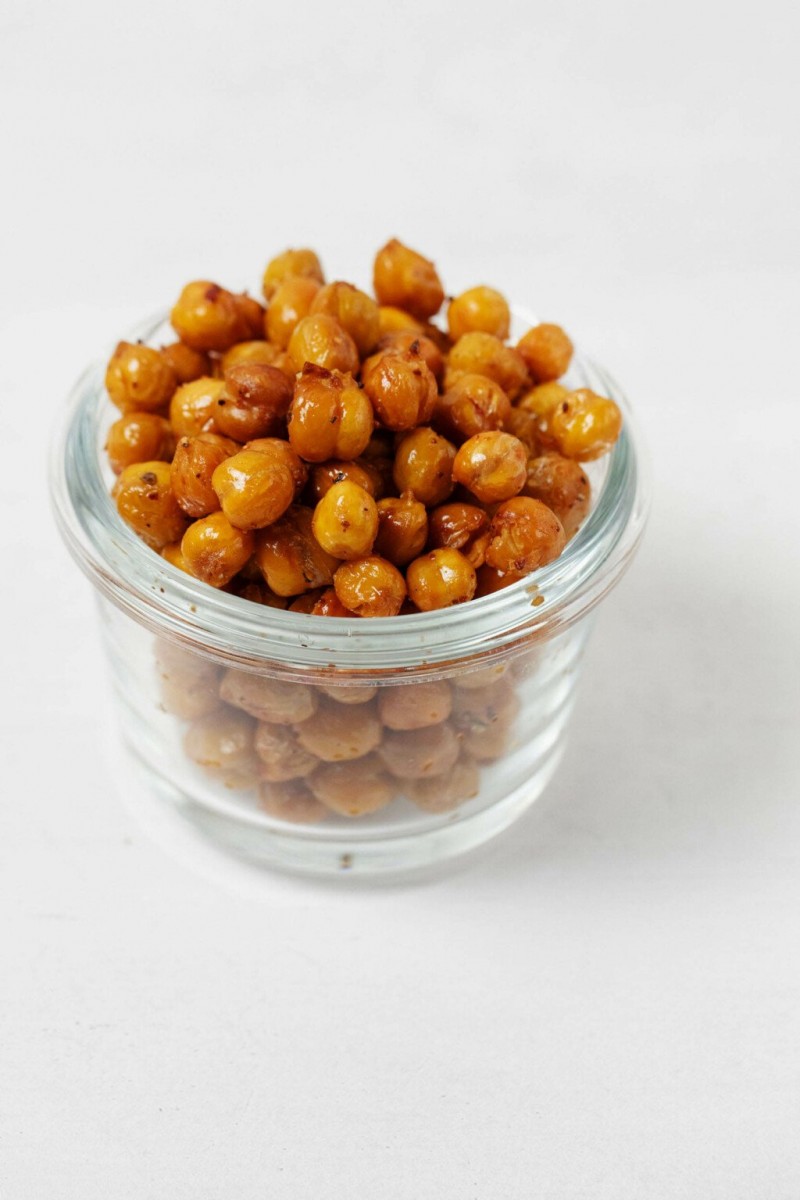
(254, 403)
(440, 579)
(195, 461)
(320, 339)
(145, 501)
(406, 280)
(585, 425)
(291, 301)
(192, 407)
(208, 317)
(547, 352)
(323, 476)
(492, 466)
(288, 265)
(402, 529)
(463, 527)
(139, 437)
(254, 489)
(473, 404)
(370, 587)
(402, 388)
(215, 550)
(139, 379)
(523, 536)
(290, 557)
(330, 416)
(346, 521)
(479, 309)
(483, 354)
(423, 465)
(356, 312)
(563, 486)
(188, 364)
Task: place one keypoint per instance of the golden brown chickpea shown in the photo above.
(291, 801)
(420, 753)
(320, 339)
(563, 486)
(355, 311)
(463, 527)
(402, 529)
(415, 705)
(209, 317)
(490, 580)
(146, 502)
(192, 407)
(348, 693)
(329, 605)
(353, 789)
(479, 308)
(256, 351)
(215, 550)
(196, 459)
(370, 587)
(290, 558)
(547, 352)
(482, 354)
(281, 451)
(340, 732)
(525, 426)
(525, 535)
(259, 593)
(254, 403)
(443, 793)
(291, 264)
(274, 701)
(397, 320)
(325, 475)
(188, 364)
(473, 405)
(251, 315)
(290, 302)
(139, 437)
(254, 489)
(221, 740)
(139, 378)
(173, 554)
(404, 279)
(305, 603)
(402, 389)
(423, 465)
(330, 417)
(440, 579)
(404, 339)
(585, 426)
(492, 466)
(281, 754)
(346, 521)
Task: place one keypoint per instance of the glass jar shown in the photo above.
(326, 744)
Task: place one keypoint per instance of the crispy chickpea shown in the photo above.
(259, 593)
(255, 351)
(423, 465)
(291, 801)
(541, 402)
(291, 264)
(547, 352)
(346, 521)
(323, 476)
(585, 426)
(290, 558)
(146, 502)
(290, 302)
(329, 605)
(254, 489)
(402, 529)
(404, 339)
(492, 466)
(254, 402)
(441, 794)
(404, 279)
(472, 405)
(215, 550)
(415, 705)
(274, 701)
(370, 587)
(188, 364)
(281, 754)
(483, 354)
(305, 603)
(402, 389)
(221, 740)
(524, 535)
(320, 339)
(563, 486)
(139, 378)
(330, 417)
(355, 311)
(196, 459)
(490, 580)
(440, 579)
(340, 732)
(397, 320)
(139, 437)
(463, 527)
(173, 554)
(349, 693)
(281, 451)
(192, 407)
(209, 317)
(252, 315)
(525, 426)
(479, 309)
(420, 753)
(353, 789)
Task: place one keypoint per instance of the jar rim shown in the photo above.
(227, 627)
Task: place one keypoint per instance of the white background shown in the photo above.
(606, 1004)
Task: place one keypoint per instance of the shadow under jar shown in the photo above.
(330, 744)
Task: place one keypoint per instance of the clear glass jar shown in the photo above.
(328, 744)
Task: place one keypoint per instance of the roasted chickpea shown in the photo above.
(463, 527)
(291, 264)
(443, 793)
(397, 320)
(440, 579)
(490, 580)
(209, 317)
(291, 801)
(173, 554)
(525, 426)
(290, 558)
(402, 529)
(251, 315)
(420, 753)
(255, 351)
(483, 354)
(415, 705)
(547, 352)
(355, 311)
(281, 754)
(329, 605)
(340, 732)
(254, 402)
(423, 465)
(479, 309)
(221, 740)
(404, 279)
(524, 535)
(370, 587)
(275, 701)
(404, 339)
(320, 339)
(305, 603)
(492, 466)
(330, 417)
(280, 451)
(259, 593)
(290, 302)
(346, 521)
(585, 426)
(188, 364)
(541, 403)
(139, 378)
(215, 550)
(473, 405)
(402, 389)
(145, 501)
(139, 437)
(563, 486)
(254, 489)
(193, 405)
(323, 476)
(348, 693)
(196, 459)
(353, 789)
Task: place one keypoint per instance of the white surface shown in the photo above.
(606, 1006)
